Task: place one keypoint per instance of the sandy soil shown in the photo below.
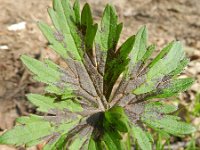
(166, 20)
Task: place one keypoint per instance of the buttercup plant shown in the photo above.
(105, 97)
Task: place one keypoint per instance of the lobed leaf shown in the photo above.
(167, 123)
(45, 104)
(43, 72)
(29, 134)
(173, 88)
(106, 40)
(161, 68)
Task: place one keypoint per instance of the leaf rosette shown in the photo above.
(106, 94)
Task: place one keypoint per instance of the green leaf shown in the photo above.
(161, 68)
(33, 132)
(169, 124)
(139, 47)
(81, 139)
(86, 16)
(92, 145)
(90, 36)
(192, 144)
(48, 32)
(107, 34)
(119, 63)
(43, 72)
(126, 142)
(160, 107)
(180, 67)
(161, 54)
(73, 38)
(142, 138)
(106, 40)
(56, 143)
(45, 104)
(76, 8)
(88, 29)
(65, 35)
(175, 55)
(196, 110)
(116, 116)
(111, 141)
(53, 89)
(77, 143)
(138, 51)
(29, 119)
(148, 53)
(59, 140)
(174, 87)
(155, 117)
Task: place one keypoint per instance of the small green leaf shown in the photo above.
(183, 63)
(161, 54)
(142, 138)
(53, 89)
(148, 53)
(77, 143)
(140, 45)
(92, 145)
(108, 29)
(56, 144)
(174, 87)
(192, 145)
(57, 46)
(86, 16)
(76, 8)
(44, 73)
(88, 29)
(116, 117)
(111, 141)
(117, 65)
(90, 36)
(196, 110)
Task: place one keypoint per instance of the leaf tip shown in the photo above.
(23, 58)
